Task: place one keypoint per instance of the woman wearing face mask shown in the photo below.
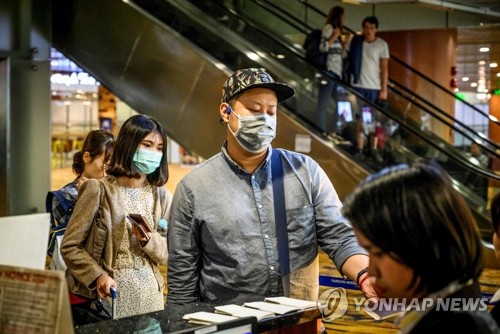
(122, 257)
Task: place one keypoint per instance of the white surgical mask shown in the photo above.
(255, 132)
(146, 161)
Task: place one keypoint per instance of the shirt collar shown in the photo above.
(237, 168)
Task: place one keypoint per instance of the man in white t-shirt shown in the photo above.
(374, 73)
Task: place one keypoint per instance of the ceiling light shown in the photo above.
(481, 96)
(498, 74)
(493, 65)
(482, 62)
(252, 55)
(474, 84)
(354, 2)
(484, 49)
(465, 79)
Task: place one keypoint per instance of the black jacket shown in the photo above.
(458, 321)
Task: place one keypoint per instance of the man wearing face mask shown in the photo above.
(222, 234)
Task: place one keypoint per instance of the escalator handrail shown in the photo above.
(445, 114)
(447, 91)
(441, 119)
(460, 160)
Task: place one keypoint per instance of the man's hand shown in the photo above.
(383, 95)
(366, 286)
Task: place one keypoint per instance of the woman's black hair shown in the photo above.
(414, 214)
(129, 138)
(96, 143)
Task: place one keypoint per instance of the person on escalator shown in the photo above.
(333, 41)
(478, 155)
(424, 246)
(224, 240)
(368, 62)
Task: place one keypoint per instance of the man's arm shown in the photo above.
(384, 78)
(335, 234)
(184, 252)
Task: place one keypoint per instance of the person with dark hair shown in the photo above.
(495, 219)
(89, 163)
(333, 42)
(368, 59)
(124, 257)
(225, 242)
(424, 248)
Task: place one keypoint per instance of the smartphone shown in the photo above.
(141, 224)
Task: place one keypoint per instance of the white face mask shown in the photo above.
(255, 132)
(146, 161)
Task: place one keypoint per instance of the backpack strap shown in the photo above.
(57, 227)
(280, 219)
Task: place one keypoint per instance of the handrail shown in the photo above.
(463, 133)
(442, 112)
(460, 160)
(443, 88)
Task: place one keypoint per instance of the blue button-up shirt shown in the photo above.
(222, 236)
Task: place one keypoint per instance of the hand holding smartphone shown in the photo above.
(141, 226)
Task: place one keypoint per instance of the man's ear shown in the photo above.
(225, 110)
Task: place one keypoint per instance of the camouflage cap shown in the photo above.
(248, 78)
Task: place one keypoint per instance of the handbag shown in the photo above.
(94, 246)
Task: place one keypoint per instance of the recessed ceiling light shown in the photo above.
(493, 65)
(484, 49)
(498, 74)
(474, 84)
(465, 79)
(482, 62)
(252, 55)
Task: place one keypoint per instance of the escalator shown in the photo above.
(170, 59)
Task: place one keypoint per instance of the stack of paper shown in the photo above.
(272, 307)
(260, 310)
(207, 318)
(298, 303)
(242, 312)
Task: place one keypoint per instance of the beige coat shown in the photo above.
(85, 267)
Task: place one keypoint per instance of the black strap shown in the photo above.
(280, 218)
